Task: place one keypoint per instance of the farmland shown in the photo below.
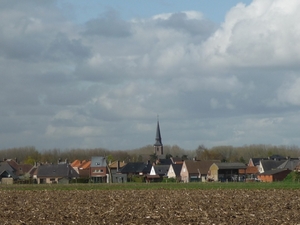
(230, 203)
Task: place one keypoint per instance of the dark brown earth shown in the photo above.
(150, 207)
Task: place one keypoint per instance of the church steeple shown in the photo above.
(158, 146)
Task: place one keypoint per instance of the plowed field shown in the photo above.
(150, 206)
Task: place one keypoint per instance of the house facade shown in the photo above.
(174, 171)
(55, 174)
(99, 170)
(226, 171)
(193, 170)
(273, 175)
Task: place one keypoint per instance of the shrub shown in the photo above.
(169, 180)
(292, 177)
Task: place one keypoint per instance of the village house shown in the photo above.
(273, 175)
(11, 171)
(193, 170)
(158, 172)
(55, 174)
(82, 168)
(98, 170)
(115, 172)
(174, 171)
(226, 171)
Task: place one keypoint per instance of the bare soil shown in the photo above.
(150, 207)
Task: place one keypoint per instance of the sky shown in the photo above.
(98, 74)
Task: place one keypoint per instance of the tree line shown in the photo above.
(30, 155)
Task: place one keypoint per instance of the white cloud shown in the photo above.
(262, 34)
(103, 83)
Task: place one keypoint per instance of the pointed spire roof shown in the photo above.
(158, 136)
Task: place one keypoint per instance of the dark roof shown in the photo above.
(277, 157)
(8, 173)
(158, 136)
(274, 171)
(165, 161)
(58, 170)
(270, 164)
(5, 166)
(147, 168)
(136, 167)
(98, 161)
(6, 169)
(289, 164)
(176, 168)
(161, 169)
(18, 169)
(234, 165)
(256, 161)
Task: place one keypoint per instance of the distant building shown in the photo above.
(158, 146)
(98, 170)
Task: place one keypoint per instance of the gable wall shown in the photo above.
(171, 173)
(184, 173)
(213, 171)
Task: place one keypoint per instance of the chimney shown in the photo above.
(118, 166)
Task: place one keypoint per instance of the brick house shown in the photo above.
(98, 170)
(273, 175)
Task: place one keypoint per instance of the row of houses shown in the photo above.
(98, 170)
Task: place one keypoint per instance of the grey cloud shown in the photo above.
(179, 21)
(104, 82)
(108, 25)
(62, 48)
(66, 96)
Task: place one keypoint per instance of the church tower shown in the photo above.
(158, 146)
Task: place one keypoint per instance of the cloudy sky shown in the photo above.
(87, 74)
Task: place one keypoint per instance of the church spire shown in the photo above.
(158, 146)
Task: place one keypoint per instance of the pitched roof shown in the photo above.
(98, 161)
(161, 169)
(136, 167)
(19, 169)
(194, 166)
(176, 168)
(274, 171)
(277, 157)
(256, 161)
(58, 170)
(289, 164)
(76, 163)
(114, 165)
(85, 165)
(234, 165)
(270, 164)
(8, 173)
(158, 136)
(133, 167)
